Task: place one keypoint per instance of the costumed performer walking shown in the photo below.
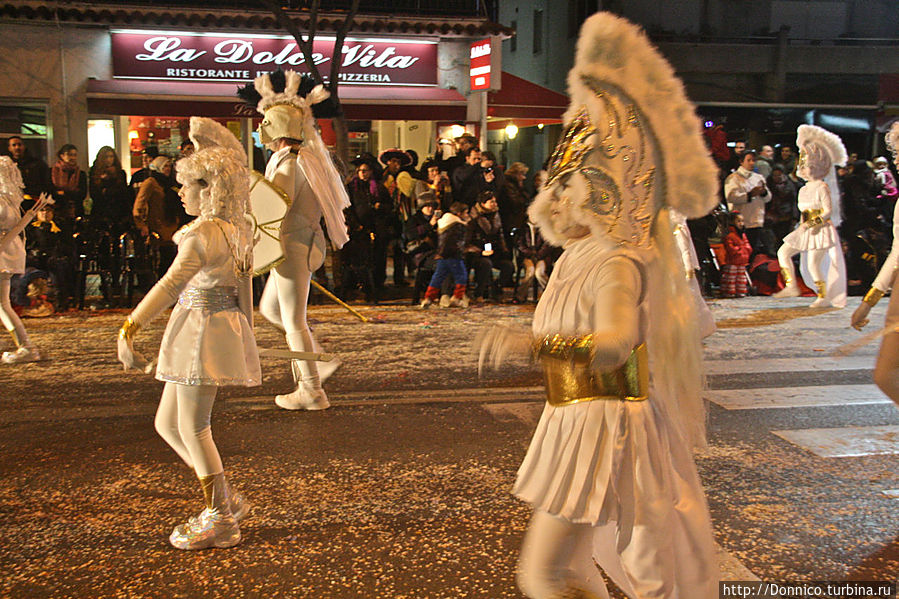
(816, 235)
(209, 338)
(691, 264)
(886, 370)
(12, 257)
(302, 168)
(609, 470)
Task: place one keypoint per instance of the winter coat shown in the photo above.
(451, 237)
(485, 227)
(736, 247)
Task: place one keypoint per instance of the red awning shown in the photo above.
(187, 98)
(521, 99)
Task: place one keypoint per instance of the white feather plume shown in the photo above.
(812, 134)
(892, 139)
(207, 133)
(618, 53)
(10, 181)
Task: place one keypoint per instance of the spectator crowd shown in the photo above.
(455, 230)
(738, 243)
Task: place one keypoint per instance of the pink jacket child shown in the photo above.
(737, 253)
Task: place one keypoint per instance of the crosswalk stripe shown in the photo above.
(850, 441)
(769, 365)
(796, 397)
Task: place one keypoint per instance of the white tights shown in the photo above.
(555, 554)
(184, 421)
(283, 303)
(815, 260)
(8, 316)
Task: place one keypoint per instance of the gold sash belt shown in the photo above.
(570, 378)
(814, 217)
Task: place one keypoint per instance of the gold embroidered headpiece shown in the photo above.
(573, 148)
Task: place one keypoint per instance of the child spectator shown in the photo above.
(738, 250)
(449, 257)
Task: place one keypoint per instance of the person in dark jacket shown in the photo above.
(50, 247)
(537, 257)
(420, 233)
(468, 178)
(374, 209)
(486, 249)
(69, 184)
(450, 256)
(513, 199)
(35, 172)
(110, 195)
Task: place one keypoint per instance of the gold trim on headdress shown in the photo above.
(573, 148)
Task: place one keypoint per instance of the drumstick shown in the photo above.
(308, 356)
(339, 301)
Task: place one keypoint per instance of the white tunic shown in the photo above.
(814, 195)
(301, 232)
(208, 340)
(886, 278)
(12, 255)
(617, 465)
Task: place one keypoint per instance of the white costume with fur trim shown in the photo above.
(208, 340)
(12, 255)
(609, 470)
(618, 465)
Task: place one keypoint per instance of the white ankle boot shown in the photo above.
(306, 397)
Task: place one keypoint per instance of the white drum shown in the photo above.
(268, 205)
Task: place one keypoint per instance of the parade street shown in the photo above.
(402, 488)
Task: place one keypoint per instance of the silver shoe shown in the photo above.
(215, 530)
(240, 508)
(23, 354)
(218, 527)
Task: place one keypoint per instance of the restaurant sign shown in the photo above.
(241, 57)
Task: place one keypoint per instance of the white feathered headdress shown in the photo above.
(822, 150)
(207, 133)
(10, 181)
(892, 139)
(631, 133)
(299, 95)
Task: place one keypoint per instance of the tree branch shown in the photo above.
(337, 58)
(305, 45)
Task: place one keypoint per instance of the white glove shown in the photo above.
(497, 343)
(130, 358)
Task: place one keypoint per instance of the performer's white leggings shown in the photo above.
(815, 260)
(283, 303)
(555, 554)
(8, 316)
(184, 421)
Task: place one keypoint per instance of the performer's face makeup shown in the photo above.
(564, 214)
(190, 196)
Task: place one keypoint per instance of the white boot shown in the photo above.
(822, 301)
(309, 394)
(306, 397)
(791, 289)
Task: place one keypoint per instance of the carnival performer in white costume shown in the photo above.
(209, 339)
(12, 258)
(302, 168)
(691, 264)
(609, 470)
(816, 236)
(886, 371)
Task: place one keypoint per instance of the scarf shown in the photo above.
(65, 176)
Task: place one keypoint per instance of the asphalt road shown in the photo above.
(401, 489)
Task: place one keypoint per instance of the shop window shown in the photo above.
(538, 31)
(100, 132)
(29, 121)
(162, 136)
(513, 43)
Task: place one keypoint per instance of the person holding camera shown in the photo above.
(747, 192)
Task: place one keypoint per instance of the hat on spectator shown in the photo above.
(364, 158)
(403, 157)
(159, 163)
(426, 198)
